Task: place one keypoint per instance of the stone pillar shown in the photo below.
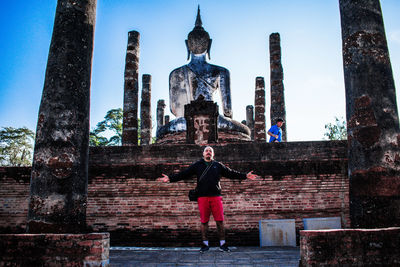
(131, 91)
(372, 117)
(160, 113)
(166, 119)
(58, 189)
(201, 122)
(250, 119)
(278, 109)
(145, 111)
(259, 112)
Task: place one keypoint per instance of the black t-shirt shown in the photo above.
(210, 183)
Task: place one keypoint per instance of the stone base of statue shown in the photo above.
(202, 125)
(201, 122)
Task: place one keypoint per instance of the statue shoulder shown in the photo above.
(221, 70)
(178, 70)
(177, 74)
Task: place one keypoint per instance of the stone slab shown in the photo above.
(277, 233)
(190, 256)
(322, 223)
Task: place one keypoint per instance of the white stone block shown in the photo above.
(322, 223)
(277, 233)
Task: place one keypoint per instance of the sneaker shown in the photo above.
(204, 248)
(224, 248)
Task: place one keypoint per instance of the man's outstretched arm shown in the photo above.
(229, 173)
(164, 178)
(252, 176)
(185, 174)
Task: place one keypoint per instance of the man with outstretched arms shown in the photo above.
(209, 173)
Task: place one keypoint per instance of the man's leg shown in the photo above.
(204, 231)
(217, 210)
(221, 230)
(221, 233)
(205, 212)
(218, 214)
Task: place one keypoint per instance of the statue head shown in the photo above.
(198, 40)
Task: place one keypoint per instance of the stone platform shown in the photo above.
(55, 249)
(350, 247)
(240, 256)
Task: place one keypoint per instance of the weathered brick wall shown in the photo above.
(14, 192)
(223, 137)
(351, 247)
(299, 180)
(55, 249)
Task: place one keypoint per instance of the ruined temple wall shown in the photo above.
(14, 198)
(299, 180)
(350, 247)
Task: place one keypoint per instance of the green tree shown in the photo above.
(111, 125)
(16, 146)
(336, 130)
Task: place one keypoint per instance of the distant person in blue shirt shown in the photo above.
(276, 132)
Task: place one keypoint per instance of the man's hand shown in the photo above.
(164, 178)
(252, 176)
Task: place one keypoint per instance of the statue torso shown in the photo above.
(190, 81)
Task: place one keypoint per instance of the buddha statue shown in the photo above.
(198, 79)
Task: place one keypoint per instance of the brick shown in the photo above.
(125, 200)
(352, 247)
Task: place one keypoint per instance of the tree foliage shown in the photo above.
(336, 130)
(110, 126)
(16, 146)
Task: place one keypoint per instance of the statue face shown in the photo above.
(198, 41)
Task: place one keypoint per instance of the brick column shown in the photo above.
(372, 117)
(131, 91)
(58, 189)
(145, 111)
(166, 119)
(259, 112)
(250, 119)
(160, 113)
(278, 109)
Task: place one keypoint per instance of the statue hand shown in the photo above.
(228, 114)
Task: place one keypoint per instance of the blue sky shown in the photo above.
(310, 41)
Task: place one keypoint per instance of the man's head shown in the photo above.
(279, 123)
(208, 153)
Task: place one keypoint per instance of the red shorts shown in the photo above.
(208, 205)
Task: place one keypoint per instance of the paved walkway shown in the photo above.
(240, 256)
